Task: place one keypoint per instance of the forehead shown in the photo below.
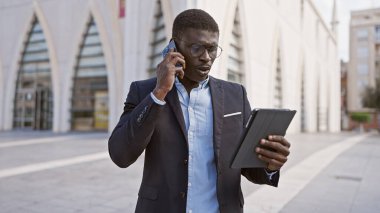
(200, 36)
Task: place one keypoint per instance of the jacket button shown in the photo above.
(183, 194)
(185, 161)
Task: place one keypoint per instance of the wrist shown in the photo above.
(160, 94)
(270, 170)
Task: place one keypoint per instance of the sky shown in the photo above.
(344, 7)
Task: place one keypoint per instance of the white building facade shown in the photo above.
(282, 51)
(50, 34)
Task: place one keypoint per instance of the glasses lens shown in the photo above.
(198, 49)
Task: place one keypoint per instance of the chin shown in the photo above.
(198, 79)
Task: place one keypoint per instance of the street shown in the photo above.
(46, 172)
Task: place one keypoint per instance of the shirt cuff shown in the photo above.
(270, 174)
(156, 100)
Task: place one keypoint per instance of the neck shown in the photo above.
(188, 84)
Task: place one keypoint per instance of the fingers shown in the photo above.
(274, 160)
(173, 54)
(280, 139)
(275, 146)
(274, 151)
(264, 153)
(175, 59)
(273, 164)
(178, 60)
(179, 72)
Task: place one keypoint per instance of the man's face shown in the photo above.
(198, 62)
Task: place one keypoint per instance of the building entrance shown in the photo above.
(34, 109)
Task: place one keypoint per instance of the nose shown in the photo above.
(205, 56)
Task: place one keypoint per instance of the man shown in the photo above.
(189, 125)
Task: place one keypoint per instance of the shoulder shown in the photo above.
(227, 85)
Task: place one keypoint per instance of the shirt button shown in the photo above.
(183, 194)
(189, 184)
(190, 211)
(185, 162)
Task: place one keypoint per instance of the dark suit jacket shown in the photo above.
(160, 131)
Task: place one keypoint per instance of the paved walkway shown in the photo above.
(45, 172)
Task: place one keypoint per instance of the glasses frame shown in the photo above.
(203, 46)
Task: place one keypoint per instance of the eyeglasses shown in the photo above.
(197, 50)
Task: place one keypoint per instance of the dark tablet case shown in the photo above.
(261, 124)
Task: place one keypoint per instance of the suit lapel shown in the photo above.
(217, 97)
(172, 99)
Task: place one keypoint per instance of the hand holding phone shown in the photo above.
(172, 65)
(166, 50)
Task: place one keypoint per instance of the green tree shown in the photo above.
(371, 99)
(361, 118)
(371, 96)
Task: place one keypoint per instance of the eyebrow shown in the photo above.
(206, 43)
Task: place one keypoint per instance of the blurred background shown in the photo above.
(67, 65)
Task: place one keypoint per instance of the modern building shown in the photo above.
(364, 64)
(67, 65)
(62, 62)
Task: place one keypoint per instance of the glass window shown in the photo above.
(33, 47)
(92, 61)
(92, 72)
(234, 64)
(377, 33)
(93, 29)
(159, 34)
(158, 39)
(278, 82)
(37, 27)
(91, 50)
(89, 109)
(303, 100)
(234, 76)
(362, 52)
(36, 56)
(235, 69)
(92, 39)
(362, 34)
(362, 69)
(34, 99)
(38, 36)
(362, 83)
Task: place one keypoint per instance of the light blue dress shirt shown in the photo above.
(198, 116)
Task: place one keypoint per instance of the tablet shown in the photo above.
(261, 124)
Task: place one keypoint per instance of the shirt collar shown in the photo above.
(202, 84)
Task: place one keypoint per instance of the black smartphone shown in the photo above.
(165, 51)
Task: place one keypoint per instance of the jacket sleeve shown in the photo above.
(135, 128)
(256, 175)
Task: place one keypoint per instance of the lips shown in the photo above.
(204, 68)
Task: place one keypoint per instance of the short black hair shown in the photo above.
(193, 18)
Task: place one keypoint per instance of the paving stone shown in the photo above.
(349, 184)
